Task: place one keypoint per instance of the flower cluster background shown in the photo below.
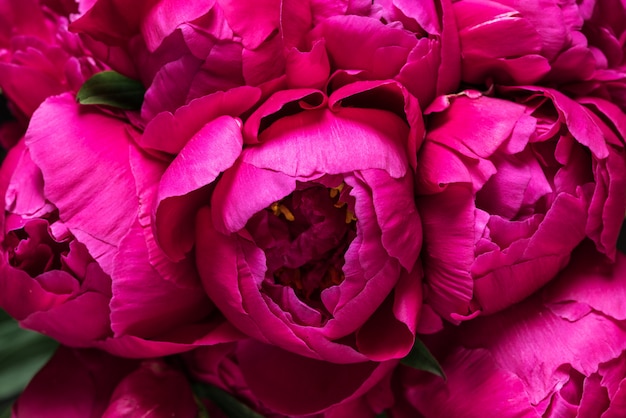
(313, 208)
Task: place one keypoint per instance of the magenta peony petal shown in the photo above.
(471, 376)
(252, 32)
(448, 255)
(333, 143)
(233, 271)
(86, 174)
(307, 69)
(593, 283)
(111, 21)
(544, 255)
(579, 122)
(254, 62)
(212, 150)
(29, 86)
(390, 332)
(539, 368)
(401, 242)
(170, 132)
(170, 86)
(384, 95)
(145, 304)
(89, 378)
(320, 384)
(24, 194)
(166, 15)
(77, 322)
(237, 196)
(424, 13)
(214, 331)
(154, 389)
(360, 43)
(505, 35)
(21, 295)
(282, 100)
(608, 202)
(450, 69)
(497, 119)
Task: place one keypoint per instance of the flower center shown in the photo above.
(305, 236)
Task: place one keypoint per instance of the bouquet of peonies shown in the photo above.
(317, 208)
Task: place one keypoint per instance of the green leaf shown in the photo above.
(6, 412)
(225, 401)
(421, 359)
(112, 89)
(22, 354)
(202, 411)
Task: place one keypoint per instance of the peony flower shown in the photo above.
(558, 354)
(95, 384)
(576, 46)
(207, 47)
(523, 42)
(285, 384)
(39, 58)
(311, 239)
(94, 281)
(604, 30)
(508, 188)
(180, 56)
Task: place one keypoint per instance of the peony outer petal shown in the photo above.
(145, 304)
(89, 378)
(319, 142)
(83, 156)
(320, 384)
(472, 375)
(208, 153)
(154, 389)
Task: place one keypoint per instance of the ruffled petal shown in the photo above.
(320, 385)
(476, 387)
(153, 389)
(324, 142)
(211, 151)
(89, 379)
(83, 156)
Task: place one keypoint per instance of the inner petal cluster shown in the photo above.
(304, 237)
(32, 250)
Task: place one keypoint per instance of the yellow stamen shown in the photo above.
(274, 208)
(286, 213)
(278, 209)
(350, 216)
(334, 191)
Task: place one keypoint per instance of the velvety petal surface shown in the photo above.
(87, 174)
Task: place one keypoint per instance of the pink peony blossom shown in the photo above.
(508, 188)
(311, 240)
(88, 383)
(39, 58)
(92, 280)
(604, 28)
(558, 354)
(577, 46)
(183, 51)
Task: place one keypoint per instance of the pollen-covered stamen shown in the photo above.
(337, 193)
(350, 216)
(278, 209)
